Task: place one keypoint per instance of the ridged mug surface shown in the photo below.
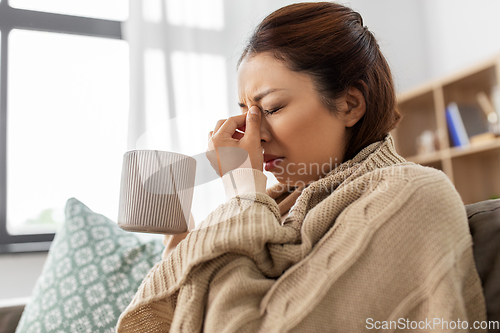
(156, 191)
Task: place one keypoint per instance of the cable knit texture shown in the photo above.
(378, 237)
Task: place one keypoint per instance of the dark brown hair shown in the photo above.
(329, 42)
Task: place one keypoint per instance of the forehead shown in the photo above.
(263, 71)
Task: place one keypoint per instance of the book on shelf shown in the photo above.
(467, 124)
(456, 127)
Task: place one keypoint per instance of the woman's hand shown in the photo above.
(229, 149)
(171, 241)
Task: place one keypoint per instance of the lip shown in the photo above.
(269, 157)
(271, 161)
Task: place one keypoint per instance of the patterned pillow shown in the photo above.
(91, 274)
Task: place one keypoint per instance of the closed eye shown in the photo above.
(270, 112)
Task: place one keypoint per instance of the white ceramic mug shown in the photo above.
(156, 191)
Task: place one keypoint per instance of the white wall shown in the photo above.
(425, 39)
(19, 273)
(399, 28)
(460, 33)
(421, 39)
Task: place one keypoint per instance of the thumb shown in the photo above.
(252, 130)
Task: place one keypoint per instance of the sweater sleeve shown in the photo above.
(244, 180)
(236, 182)
(245, 229)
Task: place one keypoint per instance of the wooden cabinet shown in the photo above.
(473, 169)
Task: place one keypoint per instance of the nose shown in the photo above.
(265, 131)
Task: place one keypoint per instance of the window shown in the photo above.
(64, 96)
(183, 69)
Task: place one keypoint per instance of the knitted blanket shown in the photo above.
(377, 241)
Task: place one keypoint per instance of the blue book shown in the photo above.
(456, 127)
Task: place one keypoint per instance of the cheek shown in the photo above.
(289, 131)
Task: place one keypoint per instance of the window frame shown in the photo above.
(14, 18)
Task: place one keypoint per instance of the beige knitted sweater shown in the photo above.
(377, 239)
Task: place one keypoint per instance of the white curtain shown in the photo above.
(183, 56)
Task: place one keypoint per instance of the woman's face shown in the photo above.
(309, 137)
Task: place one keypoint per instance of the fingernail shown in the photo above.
(254, 110)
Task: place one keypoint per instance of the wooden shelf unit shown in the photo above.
(473, 169)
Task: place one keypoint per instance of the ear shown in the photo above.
(353, 106)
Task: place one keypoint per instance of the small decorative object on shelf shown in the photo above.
(427, 142)
(490, 113)
(460, 114)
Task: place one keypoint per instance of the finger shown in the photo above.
(219, 124)
(252, 131)
(210, 134)
(231, 124)
(211, 142)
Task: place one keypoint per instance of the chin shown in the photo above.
(292, 181)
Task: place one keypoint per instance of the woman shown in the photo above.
(353, 237)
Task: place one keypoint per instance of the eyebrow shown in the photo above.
(261, 95)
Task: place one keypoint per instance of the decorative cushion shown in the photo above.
(91, 274)
(484, 224)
